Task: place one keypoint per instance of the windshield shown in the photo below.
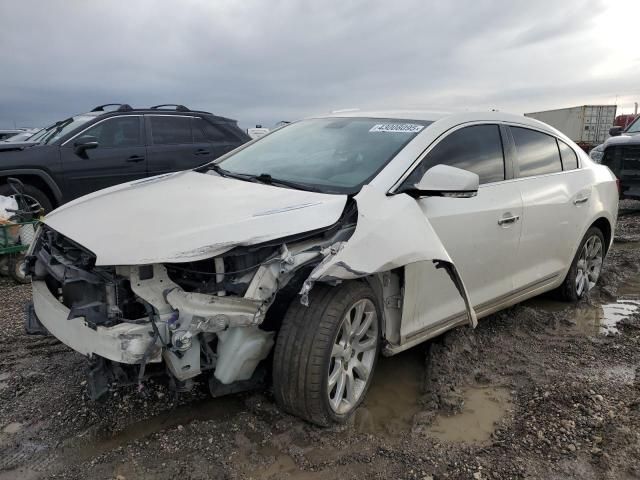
(332, 155)
(634, 127)
(61, 128)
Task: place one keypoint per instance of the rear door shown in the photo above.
(119, 158)
(481, 233)
(555, 204)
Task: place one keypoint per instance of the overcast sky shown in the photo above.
(265, 61)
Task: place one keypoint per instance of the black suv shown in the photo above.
(105, 147)
(621, 153)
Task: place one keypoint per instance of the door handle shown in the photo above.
(508, 220)
(202, 151)
(135, 158)
(579, 201)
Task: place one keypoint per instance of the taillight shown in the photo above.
(618, 185)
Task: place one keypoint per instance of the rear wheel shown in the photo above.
(585, 268)
(326, 353)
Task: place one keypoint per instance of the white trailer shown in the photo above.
(586, 125)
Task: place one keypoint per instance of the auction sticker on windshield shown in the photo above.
(397, 127)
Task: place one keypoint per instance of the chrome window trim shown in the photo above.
(165, 115)
(97, 123)
(429, 148)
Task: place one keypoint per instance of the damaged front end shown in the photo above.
(220, 315)
(216, 316)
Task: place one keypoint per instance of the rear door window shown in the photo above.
(477, 149)
(170, 130)
(568, 155)
(537, 152)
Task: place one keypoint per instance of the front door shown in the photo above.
(120, 156)
(481, 233)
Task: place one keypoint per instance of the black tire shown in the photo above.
(32, 191)
(16, 269)
(302, 356)
(567, 291)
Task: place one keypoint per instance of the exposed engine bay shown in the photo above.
(218, 314)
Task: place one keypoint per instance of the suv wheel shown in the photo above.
(31, 191)
(326, 353)
(585, 268)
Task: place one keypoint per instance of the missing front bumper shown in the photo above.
(123, 343)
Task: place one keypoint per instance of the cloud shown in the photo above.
(262, 62)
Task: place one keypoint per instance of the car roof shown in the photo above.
(449, 117)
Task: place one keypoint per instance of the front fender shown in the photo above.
(391, 232)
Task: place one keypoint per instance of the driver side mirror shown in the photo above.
(84, 143)
(446, 181)
(615, 131)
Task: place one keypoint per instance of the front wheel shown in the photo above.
(326, 353)
(585, 268)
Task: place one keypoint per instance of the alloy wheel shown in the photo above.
(589, 265)
(353, 356)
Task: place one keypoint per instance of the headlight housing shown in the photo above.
(597, 153)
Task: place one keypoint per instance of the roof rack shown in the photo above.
(122, 107)
(179, 108)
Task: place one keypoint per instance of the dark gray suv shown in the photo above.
(113, 144)
(621, 153)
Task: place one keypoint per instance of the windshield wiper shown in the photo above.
(226, 173)
(262, 178)
(269, 180)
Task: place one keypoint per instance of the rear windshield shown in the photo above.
(334, 155)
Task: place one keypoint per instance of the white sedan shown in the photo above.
(327, 242)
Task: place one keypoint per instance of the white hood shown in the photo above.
(188, 216)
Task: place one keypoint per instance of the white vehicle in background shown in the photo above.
(257, 132)
(23, 136)
(335, 239)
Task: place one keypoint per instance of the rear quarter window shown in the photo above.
(568, 155)
(537, 153)
(203, 131)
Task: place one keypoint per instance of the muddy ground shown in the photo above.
(542, 390)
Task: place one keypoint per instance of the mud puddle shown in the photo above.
(483, 408)
(599, 318)
(393, 398)
(387, 411)
(210, 409)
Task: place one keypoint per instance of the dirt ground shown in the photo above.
(543, 390)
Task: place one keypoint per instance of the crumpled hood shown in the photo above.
(188, 216)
